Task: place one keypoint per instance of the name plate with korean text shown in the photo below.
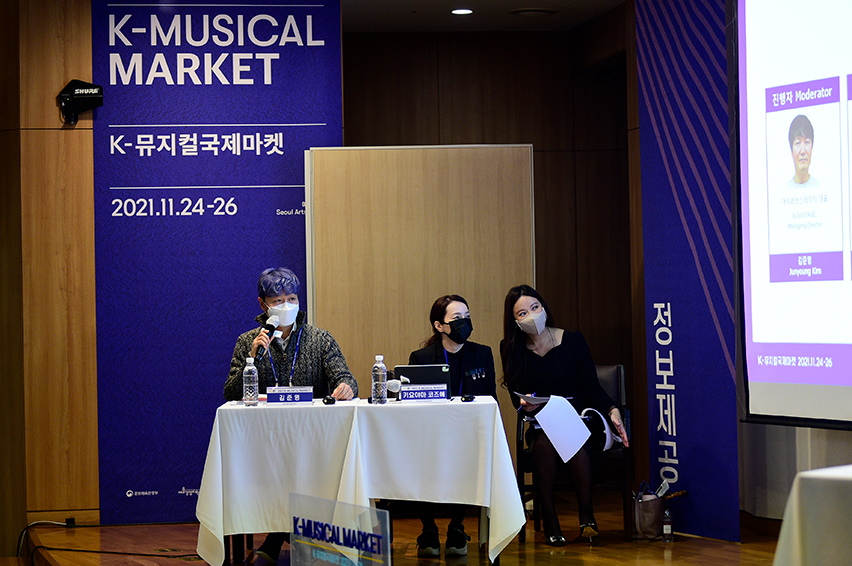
(423, 392)
(290, 395)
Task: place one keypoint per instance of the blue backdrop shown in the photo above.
(199, 186)
(689, 305)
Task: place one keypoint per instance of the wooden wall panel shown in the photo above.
(395, 228)
(13, 501)
(603, 222)
(57, 219)
(54, 321)
(600, 39)
(447, 88)
(632, 65)
(603, 256)
(638, 385)
(13, 496)
(601, 108)
(506, 88)
(56, 46)
(556, 234)
(10, 96)
(390, 89)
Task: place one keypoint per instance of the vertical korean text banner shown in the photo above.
(689, 303)
(199, 186)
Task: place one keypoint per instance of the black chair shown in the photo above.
(610, 469)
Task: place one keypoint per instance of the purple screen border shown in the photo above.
(840, 354)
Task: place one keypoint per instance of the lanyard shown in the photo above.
(272, 363)
(295, 354)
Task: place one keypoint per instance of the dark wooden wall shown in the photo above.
(554, 90)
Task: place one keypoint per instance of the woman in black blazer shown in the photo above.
(471, 364)
(471, 371)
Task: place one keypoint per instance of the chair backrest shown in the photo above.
(612, 381)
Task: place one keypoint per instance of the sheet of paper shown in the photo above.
(563, 426)
(531, 399)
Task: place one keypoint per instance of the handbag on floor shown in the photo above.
(648, 510)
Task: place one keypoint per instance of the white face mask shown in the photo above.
(534, 323)
(286, 313)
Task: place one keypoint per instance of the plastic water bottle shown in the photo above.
(250, 383)
(668, 534)
(380, 381)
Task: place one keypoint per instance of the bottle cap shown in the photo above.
(379, 358)
(249, 360)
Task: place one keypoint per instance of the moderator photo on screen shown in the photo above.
(804, 194)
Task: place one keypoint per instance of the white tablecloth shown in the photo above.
(816, 529)
(353, 452)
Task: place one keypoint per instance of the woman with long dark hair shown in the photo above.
(543, 360)
(471, 371)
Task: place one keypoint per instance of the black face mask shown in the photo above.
(460, 330)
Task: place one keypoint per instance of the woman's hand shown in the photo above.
(615, 417)
(261, 340)
(527, 406)
(342, 392)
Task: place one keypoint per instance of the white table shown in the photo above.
(816, 529)
(353, 452)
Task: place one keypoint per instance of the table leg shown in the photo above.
(238, 548)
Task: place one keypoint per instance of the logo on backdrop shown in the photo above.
(199, 186)
(664, 384)
(131, 493)
(196, 64)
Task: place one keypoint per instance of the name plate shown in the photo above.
(290, 395)
(423, 392)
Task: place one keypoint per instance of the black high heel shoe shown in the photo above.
(589, 530)
(555, 540)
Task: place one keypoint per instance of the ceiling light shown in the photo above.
(462, 12)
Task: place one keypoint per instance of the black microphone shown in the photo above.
(271, 325)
